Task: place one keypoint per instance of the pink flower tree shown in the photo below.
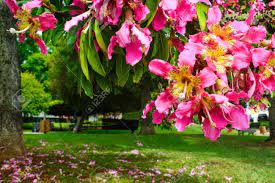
(208, 67)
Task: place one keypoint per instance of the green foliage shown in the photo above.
(83, 57)
(138, 72)
(202, 10)
(99, 37)
(36, 99)
(36, 64)
(122, 70)
(26, 49)
(66, 77)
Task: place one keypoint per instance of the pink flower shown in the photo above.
(148, 107)
(158, 117)
(140, 10)
(178, 13)
(80, 5)
(134, 39)
(214, 16)
(32, 4)
(169, 4)
(164, 101)
(255, 34)
(42, 45)
(160, 68)
(234, 96)
(108, 11)
(271, 3)
(30, 23)
(181, 123)
(75, 20)
(210, 131)
(47, 21)
(92, 163)
(260, 56)
(134, 152)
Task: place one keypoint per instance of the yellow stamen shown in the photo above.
(223, 32)
(184, 82)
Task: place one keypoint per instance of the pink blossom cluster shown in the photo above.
(215, 71)
(29, 24)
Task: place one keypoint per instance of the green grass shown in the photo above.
(244, 158)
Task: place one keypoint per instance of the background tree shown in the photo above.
(36, 99)
(37, 65)
(11, 141)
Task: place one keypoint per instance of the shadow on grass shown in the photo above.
(88, 163)
(229, 148)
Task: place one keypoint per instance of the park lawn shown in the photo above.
(168, 156)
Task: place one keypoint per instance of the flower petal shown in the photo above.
(111, 46)
(157, 117)
(42, 45)
(133, 53)
(239, 117)
(47, 21)
(214, 16)
(260, 56)
(251, 15)
(32, 4)
(210, 132)
(164, 101)
(168, 4)
(207, 77)
(75, 20)
(160, 67)
(123, 35)
(218, 118)
(184, 109)
(141, 12)
(148, 108)
(12, 5)
(241, 55)
(180, 124)
(255, 34)
(142, 35)
(159, 21)
(234, 96)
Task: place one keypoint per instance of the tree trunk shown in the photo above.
(272, 120)
(147, 127)
(11, 140)
(79, 123)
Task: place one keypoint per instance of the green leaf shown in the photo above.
(163, 47)
(138, 72)
(155, 45)
(99, 37)
(202, 10)
(93, 57)
(83, 57)
(87, 87)
(122, 70)
(103, 82)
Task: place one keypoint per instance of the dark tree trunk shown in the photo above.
(147, 127)
(272, 120)
(11, 141)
